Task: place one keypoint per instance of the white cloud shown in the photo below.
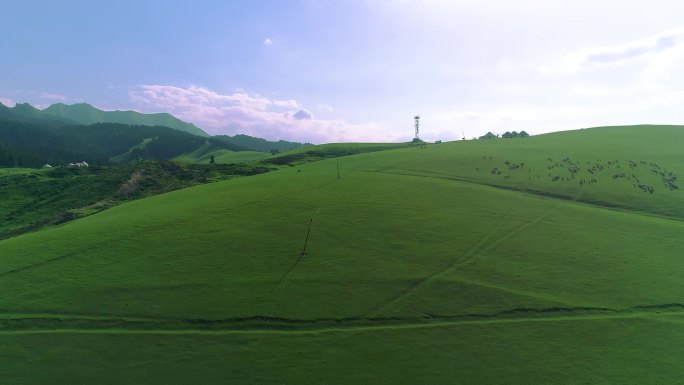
(585, 105)
(7, 102)
(595, 57)
(243, 113)
(324, 107)
(639, 81)
(268, 41)
(302, 114)
(52, 97)
(286, 103)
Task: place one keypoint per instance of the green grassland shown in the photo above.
(32, 199)
(417, 265)
(15, 170)
(610, 166)
(221, 155)
(309, 154)
(302, 155)
(346, 148)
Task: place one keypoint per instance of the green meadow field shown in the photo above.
(553, 259)
(221, 155)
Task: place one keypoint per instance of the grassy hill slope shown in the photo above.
(32, 199)
(259, 144)
(309, 154)
(633, 167)
(413, 267)
(221, 155)
(34, 144)
(83, 113)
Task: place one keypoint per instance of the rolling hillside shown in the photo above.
(259, 144)
(510, 261)
(204, 153)
(31, 199)
(34, 144)
(84, 113)
(61, 134)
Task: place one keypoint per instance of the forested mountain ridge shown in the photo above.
(26, 113)
(84, 113)
(32, 145)
(61, 134)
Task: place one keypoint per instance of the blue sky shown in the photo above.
(355, 70)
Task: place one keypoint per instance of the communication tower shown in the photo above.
(417, 125)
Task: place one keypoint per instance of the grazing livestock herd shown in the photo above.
(590, 172)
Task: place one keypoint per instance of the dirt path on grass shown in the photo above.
(98, 324)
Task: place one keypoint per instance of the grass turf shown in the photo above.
(418, 268)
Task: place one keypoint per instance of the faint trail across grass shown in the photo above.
(38, 264)
(34, 324)
(544, 194)
(479, 248)
(302, 253)
(423, 281)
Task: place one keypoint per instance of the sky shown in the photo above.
(353, 70)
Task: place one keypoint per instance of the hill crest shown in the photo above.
(86, 114)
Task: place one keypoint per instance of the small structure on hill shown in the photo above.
(514, 134)
(488, 135)
(46, 165)
(416, 124)
(78, 164)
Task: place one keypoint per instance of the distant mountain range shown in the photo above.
(61, 134)
(84, 113)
